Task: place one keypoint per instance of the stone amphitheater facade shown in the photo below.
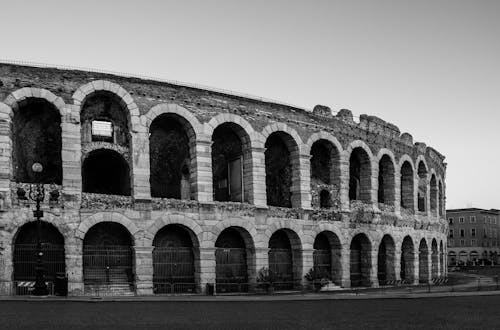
(270, 185)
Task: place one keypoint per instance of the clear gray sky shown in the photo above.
(432, 67)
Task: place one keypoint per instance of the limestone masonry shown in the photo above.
(154, 188)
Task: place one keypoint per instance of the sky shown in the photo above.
(431, 67)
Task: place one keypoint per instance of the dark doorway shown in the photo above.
(231, 262)
(106, 172)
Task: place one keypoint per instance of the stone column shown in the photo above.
(73, 249)
(345, 257)
(344, 184)
(257, 185)
(201, 167)
(144, 270)
(140, 165)
(261, 258)
(374, 269)
(429, 266)
(397, 264)
(6, 269)
(374, 183)
(71, 152)
(416, 268)
(5, 155)
(307, 264)
(207, 267)
(397, 191)
(302, 189)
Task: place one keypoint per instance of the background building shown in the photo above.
(473, 236)
(155, 187)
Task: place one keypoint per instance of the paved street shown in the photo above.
(444, 313)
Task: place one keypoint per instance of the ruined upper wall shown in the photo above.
(205, 104)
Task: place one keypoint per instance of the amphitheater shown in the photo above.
(157, 187)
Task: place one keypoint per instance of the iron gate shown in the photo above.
(173, 270)
(281, 265)
(322, 260)
(231, 270)
(108, 269)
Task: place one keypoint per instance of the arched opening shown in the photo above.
(108, 260)
(174, 254)
(464, 256)
(325, 171)
(434, 194)
(36, 137)
(233, 255)
(441, 259)
(104, 117)
(452, 258)
(281, 155)
(326, 256)
(285, 259)
(434, 259)
(474, 257)
(325, 199)
(106, 172)
(360, 261)
(422, 187)
(25, 255)
(386, 257)
(386, 184)
(441, 199)
(407, 190)
(360, 176)
(171, 150)
(230, 170)
(407, 261)
(423, 262)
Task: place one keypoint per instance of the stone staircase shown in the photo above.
(112, 282)
(331, 287)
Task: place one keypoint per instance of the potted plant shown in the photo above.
(265, 280)
(317, 279)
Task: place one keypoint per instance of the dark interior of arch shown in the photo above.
(321, 162)
(386, 180)
(359, 176)
(227, 149)
(108, 234)
(169, 159)
(422, 262)
(230, 238)
(407, 186)
(36, 137)
(279, 240)
(321, 242)
(49, 234)
(386, 258)
(103, 105)
(407, 256)
(172, 236)
(433, 192)
(325, 199)
(422, 186)
(106, 172)
(278, 172)
(360, 265)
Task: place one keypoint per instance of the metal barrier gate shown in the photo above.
(322, 261)
(281, 265)
(231, 270)
(173, 270)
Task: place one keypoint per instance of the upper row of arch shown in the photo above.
(201, 131)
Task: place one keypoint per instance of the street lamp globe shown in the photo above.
(37, 167)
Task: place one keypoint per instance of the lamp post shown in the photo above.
(37, 194)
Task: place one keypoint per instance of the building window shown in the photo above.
(462, 232)
(484, 232)
(451, 233)
(451, 242)
(462, 242)
(450, 221)
(473, 242)
(473, 219)
(473, 232)
(461, 220)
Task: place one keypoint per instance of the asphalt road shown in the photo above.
(426, 313)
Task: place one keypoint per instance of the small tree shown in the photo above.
(265, 278)
(317, 278)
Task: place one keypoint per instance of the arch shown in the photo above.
(25, 252)
(386, 177)
(105, 171)
(281, 127)
(422, 172)
(322, 136)
(433, 193)
(434, 259)
(407, 260)
(327, 256)
(246, 229)
(176, 260)
(442, 267)
(83, 92)
(13, 99)
(306, 238)
(99, 217)
(174, 219)
(360, 171)
(285, 259)
(441, 197)
(254, 138)
(174, 109)
(360, 260)
(407, 186)
(386, 260)
(423, 261)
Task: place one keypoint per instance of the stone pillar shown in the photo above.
(73, 249)
(201, 167)
(6, 268)
(397, 264)
(416, 268)
(307, 264)
(374, 183)
(258, 196)
(261, 258)
(71, 152)
(345, 257)
(5, 155)
(397, 191)
(140, 165)
(144, 270)
(207, 267)
(344, 184)
(374, 268)
(429, 266)
(301, 186)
